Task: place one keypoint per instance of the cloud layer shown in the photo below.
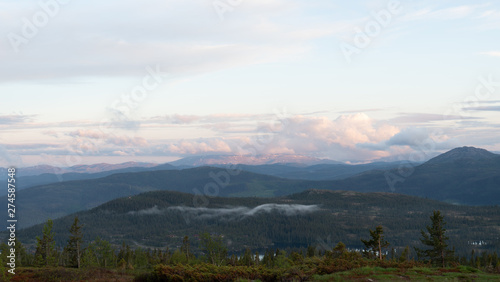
(230, 213)
(349, 137)
(124, 37)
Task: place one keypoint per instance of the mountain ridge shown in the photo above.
(475, 184)
(289, 159)
(92, 168)
(463, 154)
(465, 175)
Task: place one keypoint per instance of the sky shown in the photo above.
(355, 81)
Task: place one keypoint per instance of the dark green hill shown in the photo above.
(464, 175)
(465, 156)
(47, 178)
(314, 217)
(62, 198)
(317, 172)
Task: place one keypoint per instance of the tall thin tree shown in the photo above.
(214, 248)
(45, 254)
(74, 247)
(185, 247)
(377, 242)
(435, 238)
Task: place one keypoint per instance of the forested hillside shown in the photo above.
(314, 217)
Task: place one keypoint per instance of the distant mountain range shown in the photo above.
(46, 174)
(47, 178)
(464, 175)
(317, 172)
(94, 168)
(291, 160)
(327, 170)
(209, 160)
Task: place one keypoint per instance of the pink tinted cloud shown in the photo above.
(110, 138)
(301, 135)
(200, 146)
(346, 130)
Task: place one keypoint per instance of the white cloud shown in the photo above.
(9, 158)
(418, 138)
(123, 37)
(51, 133)
(110, 138)
(483, 108)
(350, 137)
(120, 153)
(193, 147)
(409, 137)
(231, 213)
(491, 53)
(15, 119)
(302, 135)
(337, 138)
(449, 13)
(421, 118)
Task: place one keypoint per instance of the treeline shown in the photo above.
(211, 256)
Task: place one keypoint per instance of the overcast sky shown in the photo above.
(115, 81)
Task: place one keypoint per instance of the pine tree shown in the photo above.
(74, 247)
(405, 255)
(140, 258)
(214, 249)
(257, 258)
(339, 250)
(45, 254)
(311, 250)
(185, 247)
(99, 253)
(246, 259)
(377, 243)
(267, 260)
(438, 253)
(126, 254)
(23, 258)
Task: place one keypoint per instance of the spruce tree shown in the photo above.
(214, 248)
(377, 242)
(74, 247)
(45, 254)
(405, 255)
(185, 248)
(435, 238)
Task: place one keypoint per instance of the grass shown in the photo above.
(462, 273)
(70, 274)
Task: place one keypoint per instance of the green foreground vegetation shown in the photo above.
(311, 269)
(101, 261)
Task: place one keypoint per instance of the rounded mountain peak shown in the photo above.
(463, 153)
